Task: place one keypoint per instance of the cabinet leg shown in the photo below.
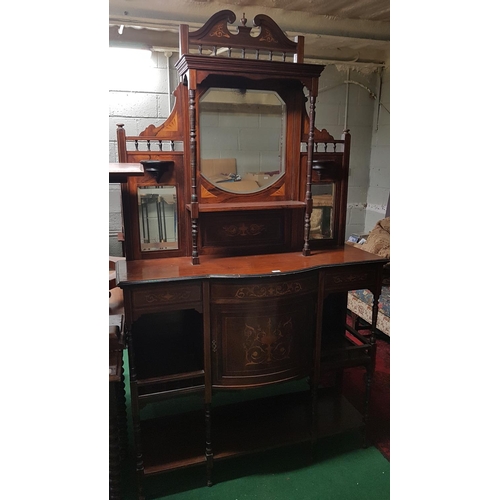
(209, 456)
(370, 370)
(114, 449)
(139, 462)
(121, 415)
(368, 381)
(314, 421)
(136, 420)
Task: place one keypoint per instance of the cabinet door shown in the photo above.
(262, 340)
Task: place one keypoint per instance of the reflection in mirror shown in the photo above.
(322, 211)
(242, 138)
(157, 217)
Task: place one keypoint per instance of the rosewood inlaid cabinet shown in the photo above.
(236, 272)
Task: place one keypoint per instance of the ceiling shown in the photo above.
(354, 31)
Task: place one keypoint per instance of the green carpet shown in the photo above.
(341, 470)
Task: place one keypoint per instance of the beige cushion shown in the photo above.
(379, 239)
(116, 301)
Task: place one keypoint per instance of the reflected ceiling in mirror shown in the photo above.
(242, 138)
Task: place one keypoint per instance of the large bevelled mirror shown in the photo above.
(242, 138)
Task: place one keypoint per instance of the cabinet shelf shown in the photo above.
(120, 172)
(244, 206)
(344, 351)
(157, 388)
(178, 441)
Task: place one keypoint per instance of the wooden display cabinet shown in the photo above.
(227, 284)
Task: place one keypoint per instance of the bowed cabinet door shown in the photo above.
(262, 331)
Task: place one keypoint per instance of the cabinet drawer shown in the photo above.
(160, 297)
(353, 278)
(249, 232)
(262, 288)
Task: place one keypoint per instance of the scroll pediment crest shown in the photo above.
(220, 31)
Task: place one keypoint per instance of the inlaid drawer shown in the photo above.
(243, 231)
(350, 278)
(265, 288)
(160, 297)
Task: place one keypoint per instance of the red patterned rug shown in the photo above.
(378, 429)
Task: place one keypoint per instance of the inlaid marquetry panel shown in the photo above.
(256, 345)
(268, 342)
(240, 230)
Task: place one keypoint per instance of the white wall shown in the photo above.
(140, 95)
(379, 185)
(340, 106)
(139, 98)
(140, 91)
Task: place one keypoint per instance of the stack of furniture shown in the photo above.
(233, 294)
(118, 173)
(117, 408)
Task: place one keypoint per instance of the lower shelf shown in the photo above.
(179, 441)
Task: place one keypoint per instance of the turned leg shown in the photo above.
(370, 369)
(194, 197)
(121, 416)
(209, 456)
(134, 398)
(373, 330)
(114, 447)
(139, 464)
(314, 421)
(368, 381)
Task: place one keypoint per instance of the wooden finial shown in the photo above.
(243, 20)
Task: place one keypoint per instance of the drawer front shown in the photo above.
(160, 297)
(352, 278)
(264, 288)
(243, 230)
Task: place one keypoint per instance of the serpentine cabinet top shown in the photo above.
(180, 268)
